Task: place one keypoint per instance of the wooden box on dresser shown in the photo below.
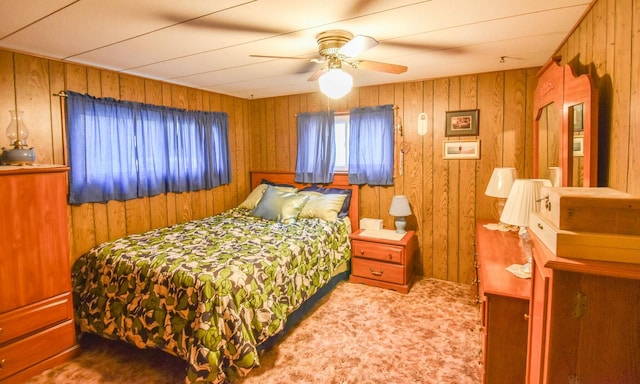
(504, 306)
(585, 320)
(382, 262)
(36, 310)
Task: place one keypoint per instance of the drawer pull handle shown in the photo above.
(526, 316)
(362, 251)
(390, 256)
(1, 331)
(2, 363)
(376, 273)
(540, 226)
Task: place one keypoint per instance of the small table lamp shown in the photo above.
(400, 208)
(523, 199)
(500, 185)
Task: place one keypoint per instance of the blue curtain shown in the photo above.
(371, 145)
(121, 150)
(316, 147)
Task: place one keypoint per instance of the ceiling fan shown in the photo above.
(338, 47)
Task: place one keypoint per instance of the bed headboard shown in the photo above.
(339, 181)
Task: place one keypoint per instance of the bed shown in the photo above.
(215, 291)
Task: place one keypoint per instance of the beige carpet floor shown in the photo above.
(358, 334)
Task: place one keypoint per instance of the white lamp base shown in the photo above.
(400, 224)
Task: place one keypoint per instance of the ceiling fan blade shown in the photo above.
(380, 67)
(423, 47)
(357, 45)
(316, 75)
(311, 60)
(205, 22)
(358, 7)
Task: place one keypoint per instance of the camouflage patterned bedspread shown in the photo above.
(208, 291)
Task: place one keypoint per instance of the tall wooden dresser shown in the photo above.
(585, 320)
(36, 310)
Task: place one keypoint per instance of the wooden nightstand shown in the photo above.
(382, 262)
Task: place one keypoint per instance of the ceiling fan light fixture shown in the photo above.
(335, 83)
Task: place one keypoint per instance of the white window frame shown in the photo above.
(342, 142)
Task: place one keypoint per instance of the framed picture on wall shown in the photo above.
(458, 150)
(462, 123)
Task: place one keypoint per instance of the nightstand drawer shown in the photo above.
(375, 270)
(384, 252)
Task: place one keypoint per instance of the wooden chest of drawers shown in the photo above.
(504, 307)
(382, 262)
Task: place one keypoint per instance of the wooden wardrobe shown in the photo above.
(36, 310)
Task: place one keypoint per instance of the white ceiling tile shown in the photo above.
(207, 44)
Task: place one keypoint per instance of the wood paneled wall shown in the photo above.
(446, 196)
(29, 83)
(605, 45)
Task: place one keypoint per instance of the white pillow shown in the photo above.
(322, 206)
(254, 197)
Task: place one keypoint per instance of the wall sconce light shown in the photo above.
(17, 133)
(423, 124)
(335, 83)
(400, 208)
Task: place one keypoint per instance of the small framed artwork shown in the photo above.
(462, 123)
(457, 150)
(578, 146)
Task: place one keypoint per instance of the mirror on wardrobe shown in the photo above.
(549, 127)
(565, 127)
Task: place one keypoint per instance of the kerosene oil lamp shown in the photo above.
(17, 132)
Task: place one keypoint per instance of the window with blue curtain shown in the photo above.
(371, 144)
(120, 150)
(316, 147)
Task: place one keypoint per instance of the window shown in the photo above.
(360, 143)
(342, 143)
(123, 150)
(371, 145)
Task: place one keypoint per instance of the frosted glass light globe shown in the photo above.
(335, 83)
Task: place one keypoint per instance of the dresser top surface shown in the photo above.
(36, 168)
(496, 251)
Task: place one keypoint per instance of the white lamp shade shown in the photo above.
(335, 83)
(522, 200)
(501, 182)
(400, 206)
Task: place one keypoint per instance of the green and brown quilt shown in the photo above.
(208, 291)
